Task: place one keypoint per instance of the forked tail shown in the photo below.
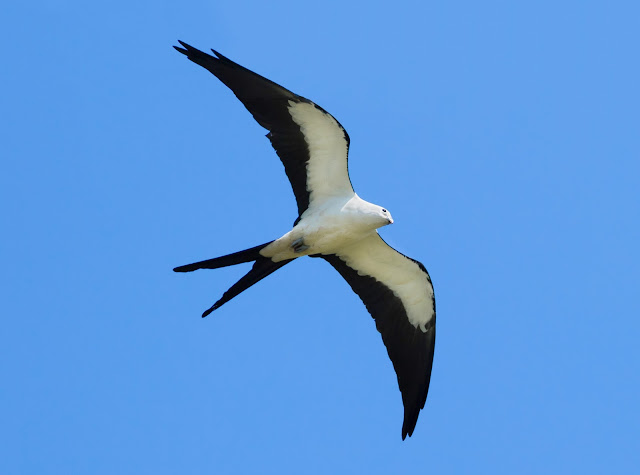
(262, 268)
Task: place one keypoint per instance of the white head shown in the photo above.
(369, 216)
(386, 216)
(378, 215)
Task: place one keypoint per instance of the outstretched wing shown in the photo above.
(398, 294)
(311, 144)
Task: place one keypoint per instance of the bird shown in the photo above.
(333, 224)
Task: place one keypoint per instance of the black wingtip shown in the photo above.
(410, 421)
(221, 57)
(186, 48)
(407, 432)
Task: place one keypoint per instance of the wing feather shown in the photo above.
(310, 142)
(398, 294)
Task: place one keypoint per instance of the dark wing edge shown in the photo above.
(268, 102)
(410, 349)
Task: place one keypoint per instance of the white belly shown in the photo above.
(324, 231)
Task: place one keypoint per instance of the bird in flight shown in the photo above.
(334, 224)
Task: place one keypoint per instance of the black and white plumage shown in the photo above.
(334, 224)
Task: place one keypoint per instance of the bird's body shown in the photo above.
(325, 229)
(334, 224)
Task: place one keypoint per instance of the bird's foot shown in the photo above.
(299, 246)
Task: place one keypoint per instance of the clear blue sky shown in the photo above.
(503, 136)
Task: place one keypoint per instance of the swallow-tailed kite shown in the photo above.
(334, 224)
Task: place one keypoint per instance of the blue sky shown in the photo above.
(503, 136)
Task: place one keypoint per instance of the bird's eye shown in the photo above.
(384, 210)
